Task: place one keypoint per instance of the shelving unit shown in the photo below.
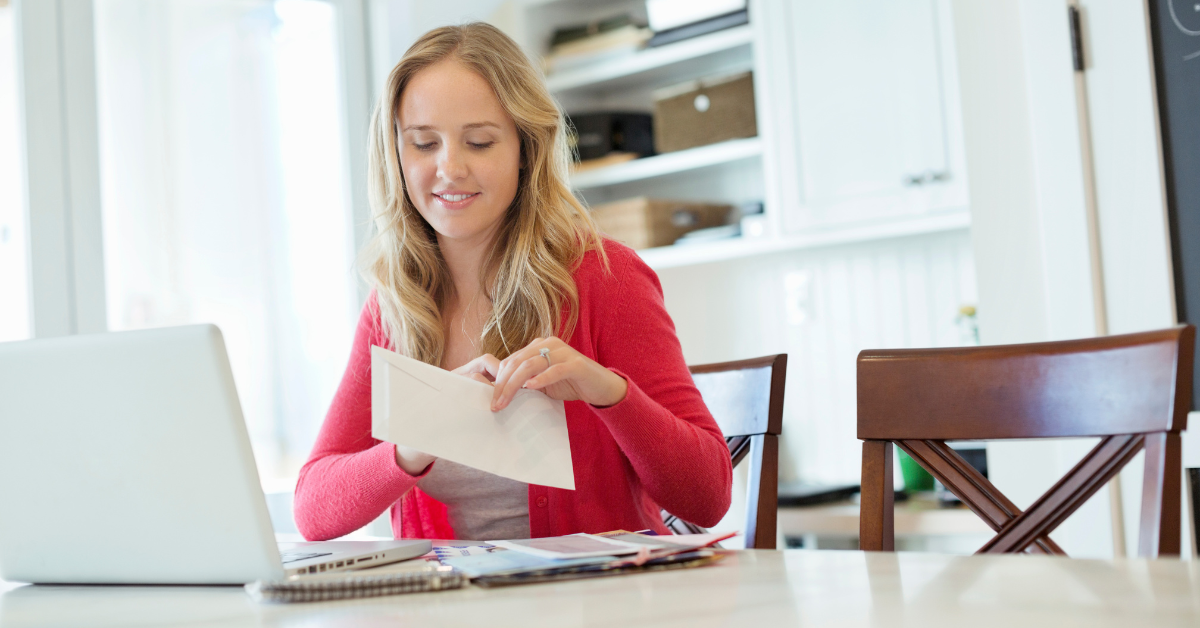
(802, 205)
(727, 172)
(669, 163)
(735, 248)
(676, 62)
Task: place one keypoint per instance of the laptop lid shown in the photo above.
(124, 459)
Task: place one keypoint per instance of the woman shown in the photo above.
(485, 264)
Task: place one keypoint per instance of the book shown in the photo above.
(622, 41)
(576, 32)
(343, 586)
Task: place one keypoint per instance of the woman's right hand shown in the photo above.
(412, 461)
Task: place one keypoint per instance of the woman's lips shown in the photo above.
(463, 200)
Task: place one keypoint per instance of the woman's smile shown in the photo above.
(454, 199)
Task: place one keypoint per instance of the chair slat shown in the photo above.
(1076, 388)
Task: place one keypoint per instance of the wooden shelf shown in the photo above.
(669, 163)
(727, 50)
(735, 248)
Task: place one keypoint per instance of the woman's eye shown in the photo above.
(481, 145)
(428, 146)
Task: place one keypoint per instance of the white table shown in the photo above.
(752, 588)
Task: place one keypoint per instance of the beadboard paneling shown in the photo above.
(822, 307)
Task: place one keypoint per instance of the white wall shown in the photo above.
(1026, 194)
(1031, 203)
(1138, 280)
(57, 102)
(396, 24)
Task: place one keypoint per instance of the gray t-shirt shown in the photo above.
(481, 506)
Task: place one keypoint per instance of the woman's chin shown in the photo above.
(457, 232)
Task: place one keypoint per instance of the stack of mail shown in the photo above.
(575, 556)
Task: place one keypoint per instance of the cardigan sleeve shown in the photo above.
(662, 424)
(350, 478)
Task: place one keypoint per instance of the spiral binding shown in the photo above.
(302, 589)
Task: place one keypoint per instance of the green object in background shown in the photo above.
(916, 478)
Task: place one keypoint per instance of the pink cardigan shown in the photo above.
(659, 447)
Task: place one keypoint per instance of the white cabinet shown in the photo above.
(862, 100)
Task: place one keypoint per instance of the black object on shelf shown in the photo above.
(595, 135)
(804, 494)
(696, 29)
(977, 458)
(798, 494)
(1193, 494)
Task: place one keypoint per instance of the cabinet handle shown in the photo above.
(929, 176)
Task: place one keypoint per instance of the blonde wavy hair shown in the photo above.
(544, 233)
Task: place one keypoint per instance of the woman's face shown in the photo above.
(460, 152)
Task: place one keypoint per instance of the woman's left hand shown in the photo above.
(567, 375)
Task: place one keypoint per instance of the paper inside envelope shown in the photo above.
(449, 416)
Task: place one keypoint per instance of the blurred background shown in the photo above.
(807, 177)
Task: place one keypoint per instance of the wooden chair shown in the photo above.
(1133, 390)
(746, 399)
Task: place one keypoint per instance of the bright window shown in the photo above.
(14, 269)
(225, 195)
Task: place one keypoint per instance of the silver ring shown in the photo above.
(545, 354)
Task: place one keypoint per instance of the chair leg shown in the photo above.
(1160, 527)
(876, 530)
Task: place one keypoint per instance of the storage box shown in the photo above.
(704, 112)
(643, 223)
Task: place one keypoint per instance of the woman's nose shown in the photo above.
(451, 165)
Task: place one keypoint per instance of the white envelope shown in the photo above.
(447, 415)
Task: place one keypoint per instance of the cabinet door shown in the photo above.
(867, 138)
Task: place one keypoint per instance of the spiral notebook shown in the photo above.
(345, 586)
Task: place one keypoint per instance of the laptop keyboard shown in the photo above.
(291, 557)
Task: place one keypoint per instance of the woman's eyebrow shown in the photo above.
(466, 127)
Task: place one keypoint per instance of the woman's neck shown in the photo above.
(465, 260)
(464, 312)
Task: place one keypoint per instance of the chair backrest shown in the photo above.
(746, 399)
(1132, 390)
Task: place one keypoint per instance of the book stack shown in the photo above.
(584, 44)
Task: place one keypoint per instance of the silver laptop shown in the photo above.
(124, 459)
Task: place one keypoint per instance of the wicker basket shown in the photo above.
(644, 223)
(704, 112)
